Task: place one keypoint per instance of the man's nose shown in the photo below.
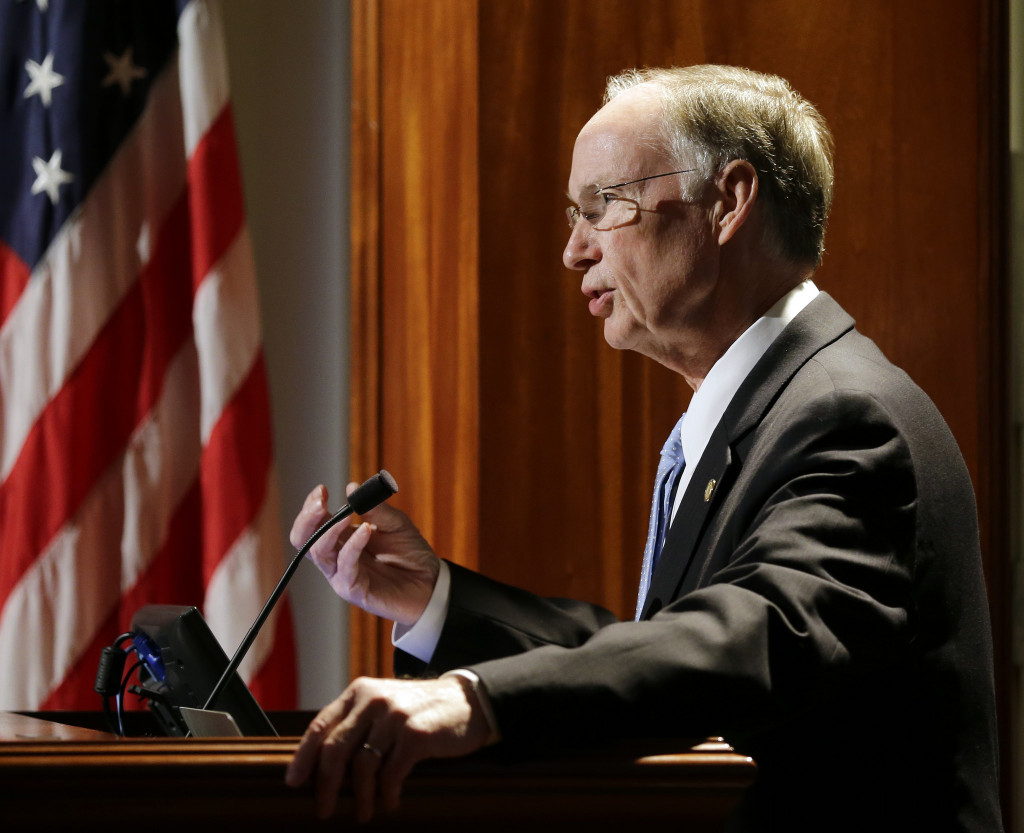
(582, 250)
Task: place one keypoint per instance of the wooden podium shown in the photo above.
(55, 776)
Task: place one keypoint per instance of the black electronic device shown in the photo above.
(182, 662)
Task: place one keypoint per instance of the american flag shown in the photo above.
(135, 438)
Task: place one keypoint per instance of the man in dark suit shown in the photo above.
(812, 584)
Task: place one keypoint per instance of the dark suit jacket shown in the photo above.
(824, 609)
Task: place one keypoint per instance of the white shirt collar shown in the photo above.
(727, 374)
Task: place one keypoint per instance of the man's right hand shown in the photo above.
(383, 565)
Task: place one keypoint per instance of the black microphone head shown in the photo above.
(373, 492)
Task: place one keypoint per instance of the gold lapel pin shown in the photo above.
(709, 490)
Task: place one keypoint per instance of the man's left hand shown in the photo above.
(377, 730)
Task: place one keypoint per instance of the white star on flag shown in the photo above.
(49, 176)
(122, 70)
(43, 79)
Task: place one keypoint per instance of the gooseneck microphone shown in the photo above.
(364, 498)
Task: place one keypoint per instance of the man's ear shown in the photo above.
(737, 187)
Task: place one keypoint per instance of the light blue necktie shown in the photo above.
(669, 469)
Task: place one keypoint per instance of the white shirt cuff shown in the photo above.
(482, 697)
(420, 639)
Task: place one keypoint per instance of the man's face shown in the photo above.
(650, 280)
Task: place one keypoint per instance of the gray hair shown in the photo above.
(714, 114)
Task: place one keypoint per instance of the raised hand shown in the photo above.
(383, 565)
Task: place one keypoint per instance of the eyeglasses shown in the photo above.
(593, 207)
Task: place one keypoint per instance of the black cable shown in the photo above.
(120, 694)
(109, 674)
(110, 677)
(109, 717)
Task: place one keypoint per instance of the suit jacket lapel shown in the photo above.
(819, 324)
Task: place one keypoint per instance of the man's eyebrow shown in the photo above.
(593, 185)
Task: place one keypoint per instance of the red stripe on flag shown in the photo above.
(215, 186)
(275, 685)
(234, 467)
(171, 577)
(73, 691)
(14, 275)
(113, 387)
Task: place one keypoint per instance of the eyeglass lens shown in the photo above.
(602, 211)
(594, 206)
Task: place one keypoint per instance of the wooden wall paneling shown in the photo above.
(429, 264)
(422, 276)
(364, 372)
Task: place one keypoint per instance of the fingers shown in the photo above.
(308, 752)
(395, 768)
(327, 552)
(379, 768)
(331, 747)
(346, 563)
(367, 761)
(313, 513)
(363, 759)
(344, 739)
(375, 766)
(336, 755)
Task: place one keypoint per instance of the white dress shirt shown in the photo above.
(706, 409)
(726, 375)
